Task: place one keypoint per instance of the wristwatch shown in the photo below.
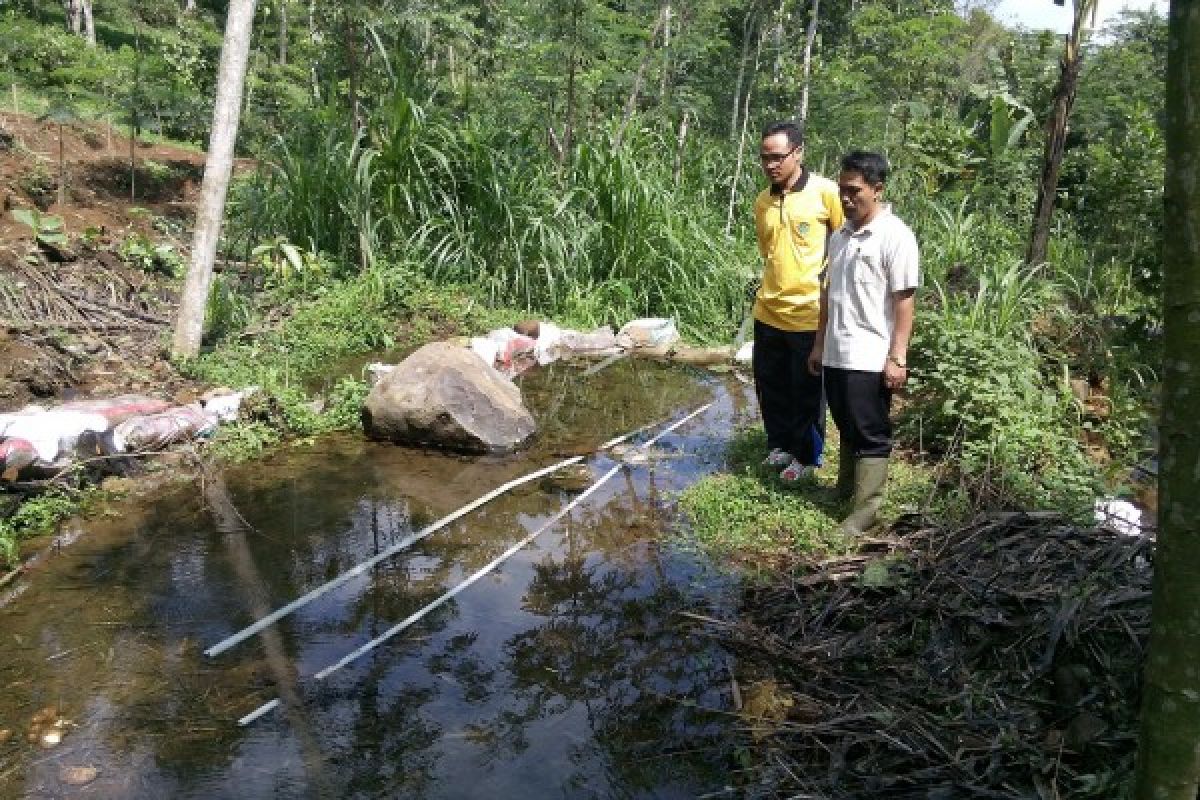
(898, 362)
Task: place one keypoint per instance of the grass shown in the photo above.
(749, 516)
(39, 515)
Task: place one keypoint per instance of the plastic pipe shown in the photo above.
(489, 567)
(407, 541)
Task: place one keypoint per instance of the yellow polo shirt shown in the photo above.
(792, 230)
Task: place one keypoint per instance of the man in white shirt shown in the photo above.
(866, 321)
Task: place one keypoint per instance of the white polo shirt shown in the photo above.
(865, 267)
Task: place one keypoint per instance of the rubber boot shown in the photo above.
(844, 489)
(870, 477)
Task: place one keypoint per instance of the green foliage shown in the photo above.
(1008, 438)
(35, 516)
(46, 227)
(139, 251)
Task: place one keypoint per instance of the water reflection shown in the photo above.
(564, 674)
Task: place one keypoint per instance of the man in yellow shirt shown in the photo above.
(793, 219)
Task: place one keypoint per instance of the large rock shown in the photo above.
(445, 396)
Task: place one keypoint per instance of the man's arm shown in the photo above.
(815, 355)
(895, 370)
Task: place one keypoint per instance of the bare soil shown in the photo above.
(85, 322)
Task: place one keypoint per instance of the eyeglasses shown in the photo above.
(777, 158)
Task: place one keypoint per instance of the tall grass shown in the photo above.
(605, 237)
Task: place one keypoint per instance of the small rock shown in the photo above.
(51, 739)
(5, 735)
(78, 776)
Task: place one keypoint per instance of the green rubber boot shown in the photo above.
(870, 478)
(845, 479)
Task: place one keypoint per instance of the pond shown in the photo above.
(567, 672)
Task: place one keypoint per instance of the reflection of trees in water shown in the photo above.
(572, 410)
(610, 643)
(386, 752)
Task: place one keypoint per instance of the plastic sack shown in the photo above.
(546, 346)
(16, 454)
(226, 405)
(376, 370)
(157, 431)
(745, 353)
(652, 333)
(1119, 516)
(118, 409)
(600, 342)
(53, 433)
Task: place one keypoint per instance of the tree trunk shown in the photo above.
(741, 149)
(89, 25)
(810, 37)
(231, 76)
(741, 77)
(283, 33)
(631, 103)
(189, 6)
(1168, 766)
(1056, 133)
(572, 67)
(665, 80)
(680, 143)
(74, 16)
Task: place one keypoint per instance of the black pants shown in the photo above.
(861, 407)
(789, 396)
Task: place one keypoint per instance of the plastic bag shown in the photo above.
(652, 333)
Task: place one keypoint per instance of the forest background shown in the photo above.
(594, 162)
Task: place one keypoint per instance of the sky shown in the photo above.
(1038, 14)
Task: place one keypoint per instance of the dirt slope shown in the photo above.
(92, 319)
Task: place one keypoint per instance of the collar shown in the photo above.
(885, 210)
(797, 185)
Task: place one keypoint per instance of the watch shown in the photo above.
(898, 362)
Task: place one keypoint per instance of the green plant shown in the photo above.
(47, 229)
(141, 252)
(1006, 437)
(38, 515)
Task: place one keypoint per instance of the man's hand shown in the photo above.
(894, 375)
(814, 357)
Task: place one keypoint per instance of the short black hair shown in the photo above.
(872, 166)
(795, 134)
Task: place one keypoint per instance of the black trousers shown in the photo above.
(789, 396)
(861, 407)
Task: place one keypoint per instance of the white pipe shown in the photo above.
(507, 554)
(407, 541)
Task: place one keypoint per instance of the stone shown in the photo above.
(446, 396)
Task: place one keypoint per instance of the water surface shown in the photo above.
(566, 673)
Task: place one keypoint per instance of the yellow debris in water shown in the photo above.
(764, 706)
(78, 776)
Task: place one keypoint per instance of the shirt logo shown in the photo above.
(802, 228)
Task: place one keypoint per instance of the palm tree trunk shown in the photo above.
(1168, 765)
(741, 150)
(231, 77)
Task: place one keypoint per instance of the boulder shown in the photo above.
(446, 396)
